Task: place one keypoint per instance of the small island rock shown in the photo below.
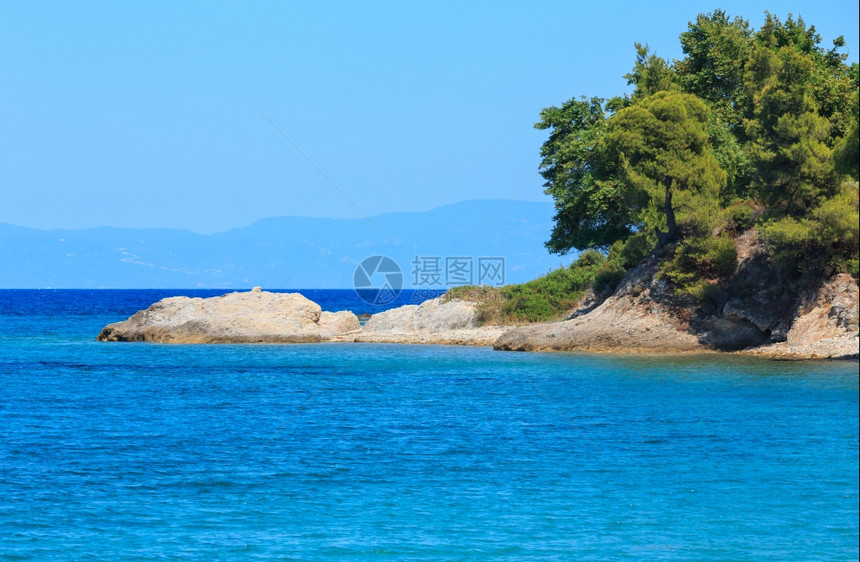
(250, 317)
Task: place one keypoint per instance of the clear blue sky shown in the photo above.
(144, 114)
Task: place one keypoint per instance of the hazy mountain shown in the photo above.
(284, 252)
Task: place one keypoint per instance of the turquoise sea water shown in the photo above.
(352, 451)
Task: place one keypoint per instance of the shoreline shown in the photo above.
(616, 327)
(762, 352)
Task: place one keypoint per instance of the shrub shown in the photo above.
(608, 277)
(636, 249)
(703, 221)
(547, 296)
(472, 293)
(699, 290)
(529, 307)
(790, 241)
(827, 236)
(588, 258)
(741, 215)
(698, 259)
(544, 298)
(720, 256)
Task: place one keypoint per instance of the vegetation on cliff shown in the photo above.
(751, 129)
(544, 298)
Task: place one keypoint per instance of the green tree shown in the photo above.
(589, 209)
(716, 49)
(650, 74)
(787, 135)
(640, 168)
(729, 152)
(666, 161)
(847, 154)
(829, 82)
(826, 237)
(721, 54)
(749, 127)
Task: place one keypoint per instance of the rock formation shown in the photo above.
(755, 313)
(643, 315)
(824, 325)
(637, 318)
(251, 317)
(435, 321)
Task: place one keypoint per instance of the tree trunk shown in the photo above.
(664, 238)
(670, 213)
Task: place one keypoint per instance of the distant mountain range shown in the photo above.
(289, 252)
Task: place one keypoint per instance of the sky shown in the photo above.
(208, 116)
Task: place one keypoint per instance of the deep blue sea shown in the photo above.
(115, 451)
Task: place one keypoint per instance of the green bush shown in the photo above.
(741, 215)
(827, 237)
(703, 221)
(709, 257)
(636, 249)
(588, 258)
(790, 241)
(472, 293)
(699, 290)
(633, 251)
(721, 256)
(546, 298)
(608, 277)
(529, 307)
(696, 260)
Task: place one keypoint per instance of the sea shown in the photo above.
(139, 451)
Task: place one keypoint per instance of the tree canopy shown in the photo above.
(766, 116)
(661, 151)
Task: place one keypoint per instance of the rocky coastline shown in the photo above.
(644, 315)
(263, 317)
(639, 317)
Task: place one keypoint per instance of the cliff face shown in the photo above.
(755, 311)
(824, 323)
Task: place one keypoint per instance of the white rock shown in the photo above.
(252, 317)
(435, 321)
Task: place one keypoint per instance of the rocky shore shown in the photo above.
(824, 325)
(641, 316)
(644, 315)
(264, 317)
(629, 321)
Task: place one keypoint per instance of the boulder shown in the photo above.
(437, 321)
(251, 317)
